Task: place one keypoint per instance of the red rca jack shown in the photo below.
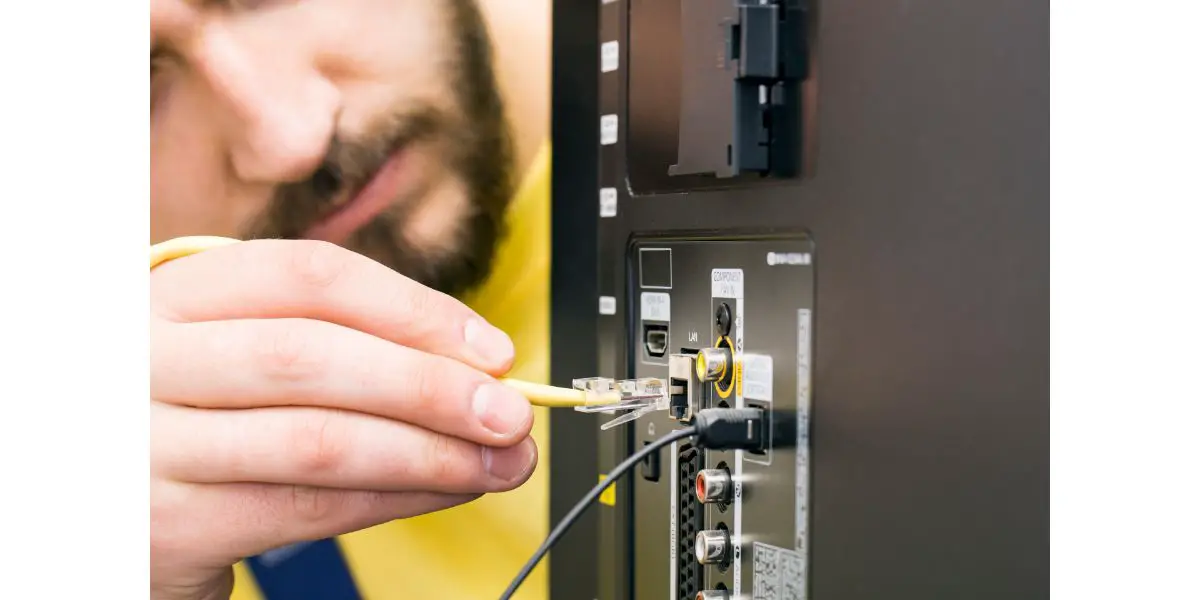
(714, 486)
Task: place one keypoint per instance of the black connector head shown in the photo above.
(730, 429)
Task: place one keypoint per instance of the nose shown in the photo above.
(279, 111)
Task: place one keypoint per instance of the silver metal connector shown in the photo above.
(712, 364)
(684, 396)
(712, 546)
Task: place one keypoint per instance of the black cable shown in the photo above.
(587, 501)
(715, 429)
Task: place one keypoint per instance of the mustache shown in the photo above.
(478, 152)
(346, 168)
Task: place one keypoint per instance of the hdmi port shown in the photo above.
(655, 339)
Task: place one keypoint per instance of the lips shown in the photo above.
(359, 208)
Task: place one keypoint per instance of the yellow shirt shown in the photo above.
(473, 551)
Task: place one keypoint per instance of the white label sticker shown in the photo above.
(656, 306)
(758, 374)
(608, 202)
(608, 305)
(803, 368)
(778, 573)
(674, 519)
(789, 258)
(803, 410)
(727, 283)
(610, 53)
(608, 130)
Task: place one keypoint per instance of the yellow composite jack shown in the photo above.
(538, 394)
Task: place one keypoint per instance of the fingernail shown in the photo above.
(491, 344)
(508, 464)
(501, 409)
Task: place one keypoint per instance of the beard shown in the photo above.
(473, 144)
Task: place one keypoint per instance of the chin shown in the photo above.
(455, 264)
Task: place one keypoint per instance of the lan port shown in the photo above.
(654, 338)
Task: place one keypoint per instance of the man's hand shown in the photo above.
(301, 391)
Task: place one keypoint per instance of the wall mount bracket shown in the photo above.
(741, 113)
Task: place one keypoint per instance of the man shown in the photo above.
(307, 389)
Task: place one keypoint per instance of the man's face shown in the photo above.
(374, 124)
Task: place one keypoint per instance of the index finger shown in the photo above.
(266, 279)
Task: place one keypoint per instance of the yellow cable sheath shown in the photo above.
(185, 246)
(537, 394)
(557, 397)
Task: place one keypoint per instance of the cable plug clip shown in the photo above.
(730, 429)
(638, 396)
